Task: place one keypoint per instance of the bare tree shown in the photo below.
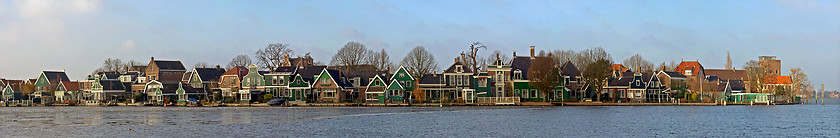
(595, 66)
(272, 56)
(239, 60)
(543, 75)
(112, 65)
(561, 56)
(638, 63)
(419, 61)
(472, 55)
(351, 55)
(589, 56)
(201, 65)
(799, 81)
(381, 60)
(670, 66)
(492, 58)
(756, 73)
(595, 75)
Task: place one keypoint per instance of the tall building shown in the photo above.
(771, 63)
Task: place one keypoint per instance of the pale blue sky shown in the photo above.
(77, 35)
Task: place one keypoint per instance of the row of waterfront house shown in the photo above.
(299, 80)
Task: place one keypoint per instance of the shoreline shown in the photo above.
(421, 104)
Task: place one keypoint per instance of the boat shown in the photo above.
(277, 101)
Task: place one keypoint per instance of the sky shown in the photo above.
(77, 35)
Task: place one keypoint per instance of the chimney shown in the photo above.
(456, 60)
(514, 54)
(532, 51)
(153, 58)
(217, 66)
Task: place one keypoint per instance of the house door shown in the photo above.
(297, 94)
(469, 96)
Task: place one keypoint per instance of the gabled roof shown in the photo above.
(364, 76)
(109, 74)
(71, 85)
(621, 81)
(725, 74)
(170, 88)
(673, 75)
(308, 72)
(209, 74)
(522, 64)
(169, 65)
(55, 77)
(694, 66)
(112, 85)
(406, 71)
(569, 69)
(397, 83)
(452, 68)
(337, 77)
(432, 79)
(238, 71)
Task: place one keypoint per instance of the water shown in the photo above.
(640, 121)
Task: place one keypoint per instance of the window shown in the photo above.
(516, 92)
(274, 80)
(407, 83)
(459, 69)
(281, 80)
(329, 93)
(482, 82)
(466, 80)
(378, 83)
(534, 93)
(638, 82)
(620, 92)
(688, 72)
(325, 81)
(451, 80)
(370, 80)
(517, 75)
(458, 80)
(402, 75)
(357, 81)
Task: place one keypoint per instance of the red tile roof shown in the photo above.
(238, 70)
(689, 65)
(775, 79)
(71, 85)
(619, 67)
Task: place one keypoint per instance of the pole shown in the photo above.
(822, 93)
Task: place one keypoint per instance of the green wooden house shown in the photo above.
(299, 89)
(375, 91)
(395, 92)
(482, 84)
(405, 79)
(277, 81)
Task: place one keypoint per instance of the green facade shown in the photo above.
(298, 89)
(528, 93)
(253, 79)
(42, 81)
(394, 92)
(485, 88)
(405, 79)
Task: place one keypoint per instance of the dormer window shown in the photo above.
(688, 72)
(638, 82)
(459, 68)
(517, 74)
